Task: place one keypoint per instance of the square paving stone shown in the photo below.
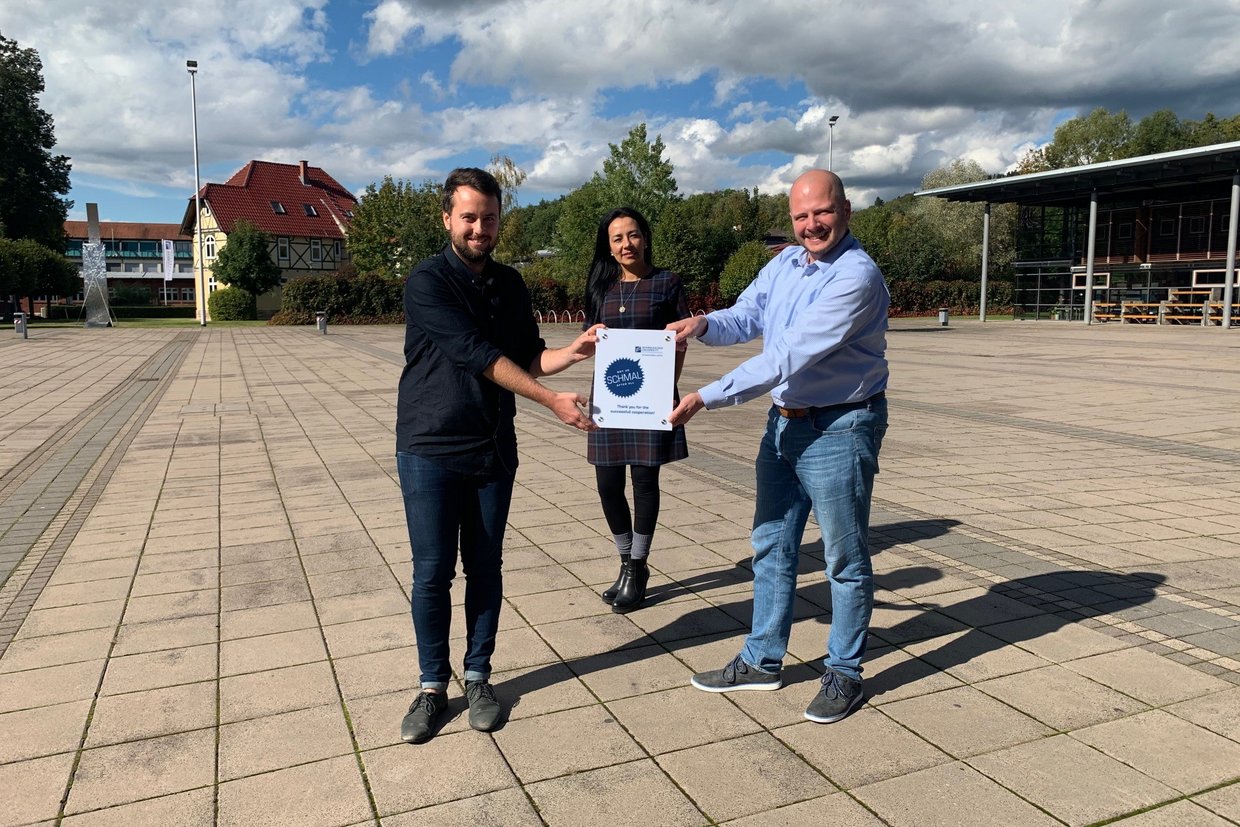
(56, 650)
(445, 768)
(322, 794)
(1072, 781)
(276, 690)
(31, 790)
(1179, 814)
(889, 750)
(1218, 712)
(253, 654)
(151, 670)
(152, 712)
(974, 656)
(731, 779)
(276, 741)
(964, 721)
(699, 718)
(195, 808)
(45, 730)
(612, 675)
(49, 685)
(505, 808)
(1147, 676)
(107, 776)
(565, 742)
(1060, 698)
(639, 790)
(267, 620)
(1170, 749)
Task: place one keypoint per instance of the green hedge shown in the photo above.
(73, 312)
(346, 300)
(231, 304)
(914, 298)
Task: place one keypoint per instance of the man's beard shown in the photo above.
(467, 253)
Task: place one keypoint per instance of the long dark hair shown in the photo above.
(604, 271)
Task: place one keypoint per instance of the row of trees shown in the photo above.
(33, 183)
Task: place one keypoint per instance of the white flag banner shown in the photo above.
(169, 259)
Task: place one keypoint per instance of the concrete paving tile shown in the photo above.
(276, 690)
(506, 808)
(31, 790)
(699, 718)
(1071, 781)
(377, 672)
(731, 779)
(965, 722)
(1146, 676)
(76, 594)
(253, 654)
(538, 580)
(284, 740)
(265, 593)
(343, 560)
(355, 581)
(49, 685)
(1053, 638)
(339, 541)
(592, 635)
(844, 812)
(565, 604)
(1060, 698)
(322, 794)
(974, 656)
(54, 650)
(688, 618)
(372, 635)
(135, 638)
(897, 623)
(195, 808)
(58, 621)
(539, 690)
(281, 568)
(639, 790)
(152, 712)
(172, 606)
(167, 582)
(445, 768)
(1179, 814)
(151, 670)
(182, 542)
(1184, 756)
(179, 561)
(387, 601)
(376, 718)
(67, 573)
(949, 795)
(565, 742)
(1224, 801)
(232, 555)
(1218, 712)
(612, 675)
(267, 620)
(787, 706)
(890, 750)
(46, 730)
(107, 776)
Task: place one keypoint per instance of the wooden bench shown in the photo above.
(1139, 312)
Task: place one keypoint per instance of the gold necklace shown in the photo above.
(633, 295)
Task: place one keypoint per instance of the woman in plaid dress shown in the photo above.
(625, 290)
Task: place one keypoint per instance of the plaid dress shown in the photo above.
(649, 304)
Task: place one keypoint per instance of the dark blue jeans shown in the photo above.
(442, 506)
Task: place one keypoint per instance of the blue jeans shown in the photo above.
(826, 460)
(441, 506)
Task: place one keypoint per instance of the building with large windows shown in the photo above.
(303, 210)
(135, 261)
(1162, 228)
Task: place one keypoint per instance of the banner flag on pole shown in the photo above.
(169, 256)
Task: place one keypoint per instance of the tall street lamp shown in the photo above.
(200, 282)
(831, 140)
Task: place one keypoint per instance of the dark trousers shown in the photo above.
(645, 514)
(442, 507)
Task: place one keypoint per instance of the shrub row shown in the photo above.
(346, 300)
(912, 298)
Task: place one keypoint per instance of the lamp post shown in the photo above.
(831, 141)
(200, 282)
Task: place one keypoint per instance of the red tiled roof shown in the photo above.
(127, 231)
(249, 192)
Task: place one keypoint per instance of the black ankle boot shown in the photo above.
(632, 587)
(610, 594)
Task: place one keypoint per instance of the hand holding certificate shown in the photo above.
(634, 379)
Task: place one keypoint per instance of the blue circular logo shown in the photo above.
(624, 377)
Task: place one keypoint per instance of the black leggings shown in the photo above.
(616, 507)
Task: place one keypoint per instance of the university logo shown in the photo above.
(624, 377)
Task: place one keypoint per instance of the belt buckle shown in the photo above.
(792, 413)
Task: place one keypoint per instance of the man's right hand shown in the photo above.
(570, 408)
(692, 326)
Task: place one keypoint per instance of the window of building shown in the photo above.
(187, 294)
(1166, 227)
(336, 249)
(348, 213)
(209, 246)
(1197, 225)
(133, 268)
(310, 210)
(1124, 230)
(282, 248)
(278, 208)
(316, 249)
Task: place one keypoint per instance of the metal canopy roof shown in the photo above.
(1186, 174)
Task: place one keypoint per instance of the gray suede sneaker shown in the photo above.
(838, 696)
(735, 676)
(419, 722)
(484, 708)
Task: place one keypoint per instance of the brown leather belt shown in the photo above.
(794, 413)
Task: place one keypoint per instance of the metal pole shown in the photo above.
(1230, 275)
(1089, 259)
(985, 258)
(200, 281)
(830, 146)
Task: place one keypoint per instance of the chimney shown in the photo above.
(305, 177)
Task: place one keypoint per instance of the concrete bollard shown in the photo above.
(320, 319)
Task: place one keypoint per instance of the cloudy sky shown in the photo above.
(740, 91)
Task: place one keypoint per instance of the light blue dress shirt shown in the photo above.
(823, 325)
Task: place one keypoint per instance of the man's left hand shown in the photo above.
(689, 405)
(583, 346)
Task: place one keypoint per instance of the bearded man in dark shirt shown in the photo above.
(471, 344)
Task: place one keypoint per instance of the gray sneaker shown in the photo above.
(419, 722)
(737, 675)
(838, 696)
(484, 709)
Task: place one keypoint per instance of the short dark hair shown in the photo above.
(474, 178)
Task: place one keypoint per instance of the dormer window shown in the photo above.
(348, 213)
(310, 210)
(278, 208)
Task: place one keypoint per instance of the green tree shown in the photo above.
(1159, 131)
(573, 240)
(1213, 130)
(1087, 139)
(636, 175)
(395, 226)
(244, 261)
(956, 226)
(32, 180)
(510, 178)
(29, 269)
(741, 269)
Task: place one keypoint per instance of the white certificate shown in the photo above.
(634, 379)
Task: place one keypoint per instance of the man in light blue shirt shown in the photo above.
(821, 310)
